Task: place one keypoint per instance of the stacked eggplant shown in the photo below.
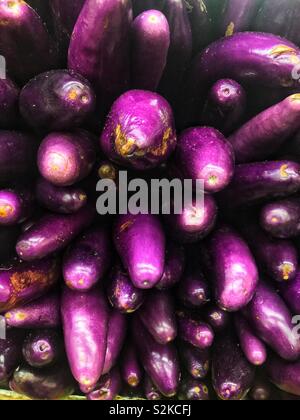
(199, 305)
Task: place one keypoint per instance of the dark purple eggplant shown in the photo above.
(150, 390)
(216, 317)
(201, 23)
(130, 367)
(117, 329)
(237, 16)
(194, 331)
(42, 348)
(10, 353)
(174, 266)
(195, 361)
(9, 97)
(107, 388)
(285, 375)
(193, 290)
(192, 389)
(291, 294)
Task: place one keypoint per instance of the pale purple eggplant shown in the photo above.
(16, 205)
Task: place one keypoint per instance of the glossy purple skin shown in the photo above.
(66, 158)
(204, 153)
(260, 59)
(42, 313)
(108, 387)
(122, 294)
(42, 348)
(52, 233)
(194, 331)
(201, 24)
(10, 354)
(282, 218)
(225, 105)
(285, 375)
(232, 374)
(191, 389)
(253, 348)
(8, 236)
(272, 322)
(279, 17)
(150, 390)
(277, 257)
(65, 200)
(99, 47)
(193, 290)
(218, 319)
(195, 361)
(22, 147)
(24, 39)
(255, 182)
(238, 16)
(174, 266)
(9, 96)
(196, 221)
(88, 259)
(264, 134)
(85, 322)
(234, 270)
(158, 316)
(150, 37)
(135, 134)
(131, 370)
(57, 100)
(291, 294)
(16, 205)
(53, 383)
(117, 329)
(23, 282)
(160, 361)
(140, 242)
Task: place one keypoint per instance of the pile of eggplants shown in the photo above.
(200, 305)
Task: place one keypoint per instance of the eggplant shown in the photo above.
(194, 331)
(57, 100)
(159, 361)
(85, 319)
(195, 361)
(285, 375)
(42, 348)
(233, 268)
(108, 387)
(66, 158)
(232, 374)
(23, 282)
(10, 354)
(261, 390)
(204, 153)
(140, 242)
(201, 23)
(88, 259)
(174, 266)
(271, 320)
(122, 294)
(42, 313)
(9, 100)
(238, 15)
(150, 390)
(53, 232)
(158, 316)
(131, 370)
(218, 319)
(16, 205)
(150, 39)
(117, 329)
(192, 389)
(291, 294)
(135, 135)
(52, 383)
(193, 290)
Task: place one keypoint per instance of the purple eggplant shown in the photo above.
(253, 348)
(272, 322)
(282, 218)
(16, 205)
(42, 348)
(158, 316)
(8, 236)
(135, 135)
(57, 100)
(204, 153)
(218, 319)
(42, 313)
(238, 15)
(192, 389)
(150, 38)
(160, 361)
(255, 182)
(122, 294)
(66, 158)
(201, 23)
(291, 294)
(194, 331)
(140, 242)
(10, 353)
(85, 322)
(232, 374)
(174, 266)
(117, 329)
(151, 391)
(23, 282)
(88, 259)
(65, 200)
(195, 361)
(225, 105)
(193, 290)
(9, 97)
(130, 367)
(233, 268)
(107, 388)
(285, 375)
(52, 232)
(52, 383)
